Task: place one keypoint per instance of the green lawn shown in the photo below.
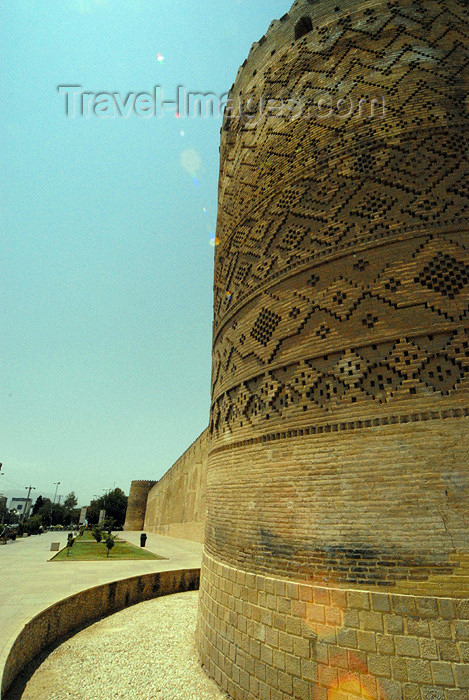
(85, 537)
(87, 549)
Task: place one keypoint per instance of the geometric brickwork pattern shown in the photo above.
(342, 273)
(328, 315)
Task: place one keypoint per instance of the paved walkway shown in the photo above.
(29, 582)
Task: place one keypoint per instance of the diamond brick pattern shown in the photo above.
(344, 242)
(265, 325)
(445, 275)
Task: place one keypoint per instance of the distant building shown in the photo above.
(22, 505)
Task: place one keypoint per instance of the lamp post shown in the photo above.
(26, 508)
(56, 484)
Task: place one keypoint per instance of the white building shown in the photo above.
(21, 505)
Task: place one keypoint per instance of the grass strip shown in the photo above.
(87, 550)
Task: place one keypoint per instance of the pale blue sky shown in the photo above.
(105, 257)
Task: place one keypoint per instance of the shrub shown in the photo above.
(108, 525)
(97, 533)
(109, 542)
(33, 525)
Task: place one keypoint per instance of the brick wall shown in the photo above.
(340, 354)
(340, 403)
(137, 504)
(274, 639)
(343, 505)
(176, 505)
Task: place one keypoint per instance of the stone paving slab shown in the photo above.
(30, 582)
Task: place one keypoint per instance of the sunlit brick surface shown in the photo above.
(338, 431)
(137, 504)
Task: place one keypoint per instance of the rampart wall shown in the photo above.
(176, 505)
(137, 504)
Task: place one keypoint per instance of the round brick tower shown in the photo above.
(338, 480)
(137, 504)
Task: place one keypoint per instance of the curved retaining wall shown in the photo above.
(137, 504)
(340, 403)
(176, 505)
(69, 615)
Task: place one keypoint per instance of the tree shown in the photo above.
(38, 505)
(3, 511)
(115, 505)
(109, 525)
(33, 525)
(113, 502)
(109, 542)
(71, 514)
(70, 501)
(97, 533)
(57, 513)
(92, 514)
(44, 509)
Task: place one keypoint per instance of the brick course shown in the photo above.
(328, 658)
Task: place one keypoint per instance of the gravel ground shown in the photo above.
(144, 652)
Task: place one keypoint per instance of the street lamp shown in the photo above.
(56, 484)
(26, 508)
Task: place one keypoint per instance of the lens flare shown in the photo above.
(160, 58)
(191, 161)
(348, 686)
(214, 241)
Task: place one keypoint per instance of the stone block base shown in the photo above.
(268, 638)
